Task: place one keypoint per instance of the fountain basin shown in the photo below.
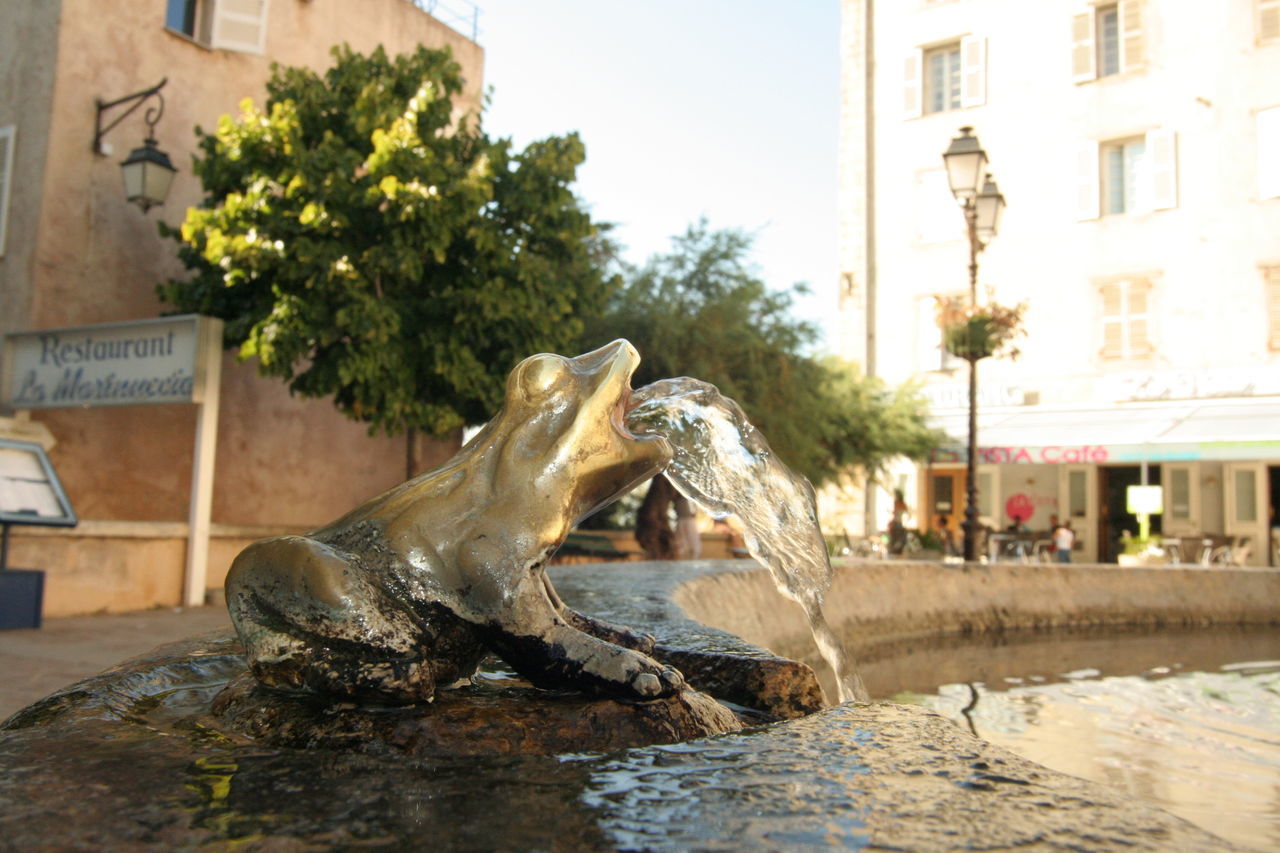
(135, 755)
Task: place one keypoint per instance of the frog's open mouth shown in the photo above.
(618, 415)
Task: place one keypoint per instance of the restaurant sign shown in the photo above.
(113, 364)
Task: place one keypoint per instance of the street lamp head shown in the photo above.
(988, 205)
(147, 175)
(148, 171)
(966, 163)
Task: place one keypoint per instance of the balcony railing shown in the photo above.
(460, 15)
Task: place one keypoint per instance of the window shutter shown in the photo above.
(1139, 316)
(1112, 321)
(1083, 64)
(1271, 275)
(1087, 188)
(973, 71)
(913, 85)
(1268, 127)
(1133, 48)
(1162, 164)
(239, 25)
(1268, 20)
(6, 178)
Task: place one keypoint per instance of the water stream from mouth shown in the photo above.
(725, 465)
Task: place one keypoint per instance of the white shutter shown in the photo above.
(1084, 65)
(1133, 47)
(1271, 278)
(1087, 189)
(1268, 126)
(239, 25)
(1162, 165)
(973, 71)
(1268, 20)
(913, 85)
(7, 135)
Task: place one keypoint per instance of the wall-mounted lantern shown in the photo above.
(147, 170)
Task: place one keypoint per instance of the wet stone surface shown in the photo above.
(495, 716)
(134, 759)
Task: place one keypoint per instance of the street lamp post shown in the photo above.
(981, 202)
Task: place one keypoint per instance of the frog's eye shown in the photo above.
(539, 374)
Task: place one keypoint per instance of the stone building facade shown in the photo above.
(1138, 146)
(75, 252)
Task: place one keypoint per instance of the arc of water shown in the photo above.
(725, 465)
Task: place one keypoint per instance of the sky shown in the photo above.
(723, 109)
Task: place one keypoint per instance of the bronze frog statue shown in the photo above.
(407, 593)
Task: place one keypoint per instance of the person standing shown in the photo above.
(1064, 539)
(897, 526)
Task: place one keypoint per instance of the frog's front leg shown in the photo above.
(528, 631)
(607, 631)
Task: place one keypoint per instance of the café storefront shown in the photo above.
(1217, 461)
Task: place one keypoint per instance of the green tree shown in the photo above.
(364, 240)
(702, 311)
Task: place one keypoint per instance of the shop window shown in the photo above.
(239, 25)
(1271, 278)
(1268, 21)
(1134, 174)
(1126, 320)
(1179, 508)
(946, 77)
(1077, 494)
(1107, 39)
(7, 135)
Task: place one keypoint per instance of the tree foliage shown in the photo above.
(362, 238)
(702, 311)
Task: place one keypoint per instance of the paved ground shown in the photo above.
(36, 662)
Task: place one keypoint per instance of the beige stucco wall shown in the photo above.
(282, 463)
(28, 52)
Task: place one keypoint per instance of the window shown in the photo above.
(6, 178)
(1179, 493)
(1077, 494)
(1268, 20)
(945, 77)
(1107, 39)
(1268, 133)
(1181, 500)
(239, 25)
(1271, 279)
(1107, 21)
(1126, 322)
(1133, 174)
(1122, 161)
(942, 79)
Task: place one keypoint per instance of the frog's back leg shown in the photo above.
(312, 622)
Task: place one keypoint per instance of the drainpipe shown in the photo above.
(869, 216)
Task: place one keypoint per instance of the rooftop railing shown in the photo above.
(460, 15)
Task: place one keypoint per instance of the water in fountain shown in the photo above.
(725, 465)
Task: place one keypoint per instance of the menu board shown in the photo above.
(30, 492)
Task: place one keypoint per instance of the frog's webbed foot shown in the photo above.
(563, 656)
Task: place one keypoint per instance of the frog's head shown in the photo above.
(566, 427)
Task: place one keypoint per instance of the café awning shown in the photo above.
(1233, 429)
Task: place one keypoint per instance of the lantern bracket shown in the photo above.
(138, 99)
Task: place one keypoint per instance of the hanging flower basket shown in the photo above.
(979, 331)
